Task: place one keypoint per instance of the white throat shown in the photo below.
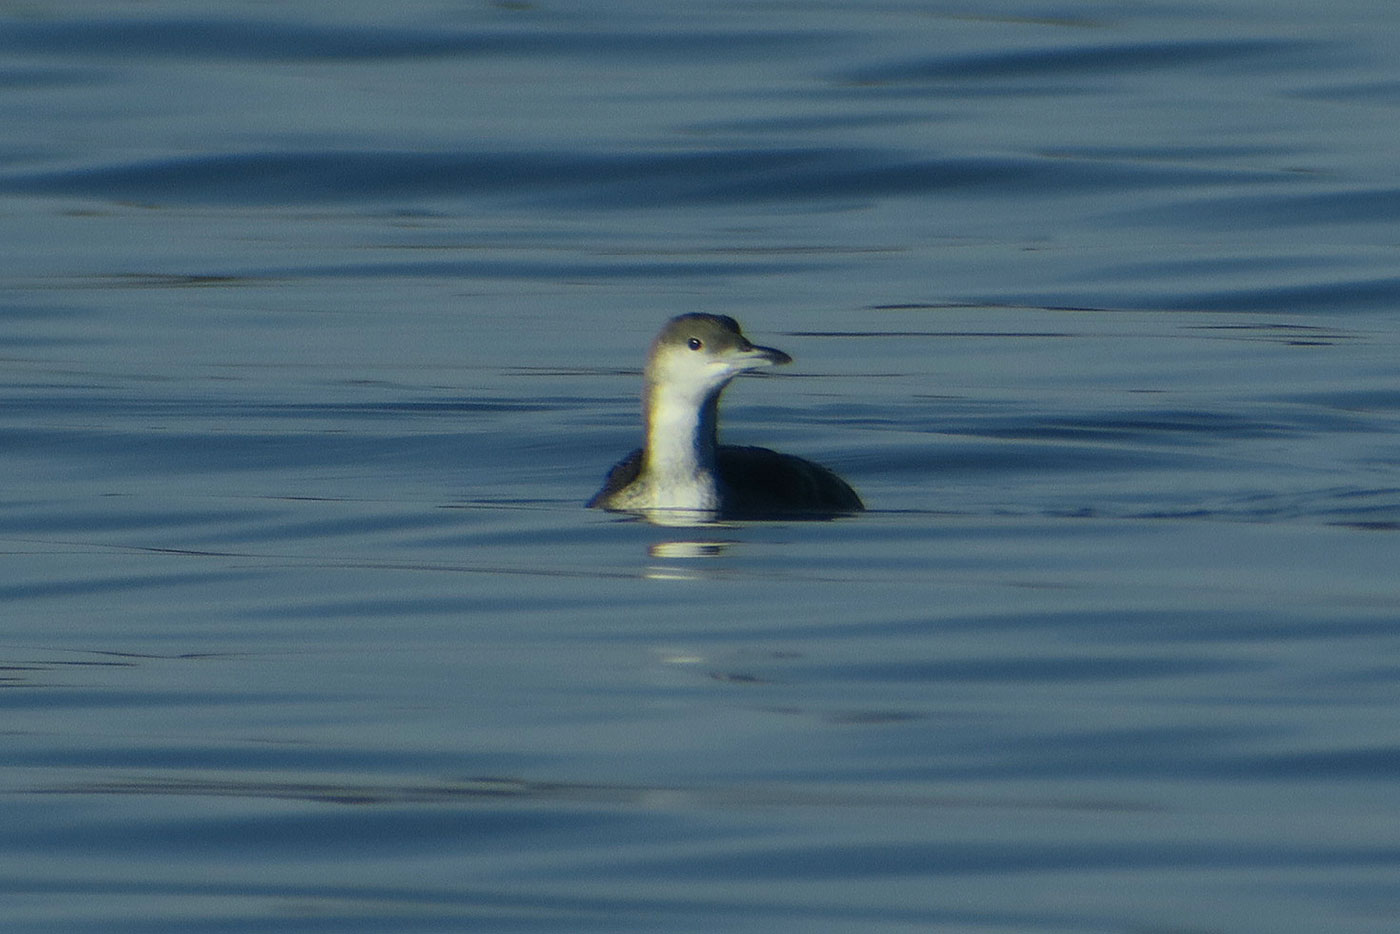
(679, 466)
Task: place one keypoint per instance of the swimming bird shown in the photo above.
(682, 466)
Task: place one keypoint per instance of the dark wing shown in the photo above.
(760, 483)
(622, 473)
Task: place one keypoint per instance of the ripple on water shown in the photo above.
(323, 325)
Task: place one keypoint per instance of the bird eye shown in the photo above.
(695, 343)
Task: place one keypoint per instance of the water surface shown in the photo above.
(319, 326)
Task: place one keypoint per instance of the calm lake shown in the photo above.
(319, 323)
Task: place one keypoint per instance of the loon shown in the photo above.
(683, 467)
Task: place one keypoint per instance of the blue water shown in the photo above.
(319, 323)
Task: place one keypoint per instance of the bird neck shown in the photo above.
(682, 432)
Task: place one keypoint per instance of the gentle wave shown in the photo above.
(633, 180)
(1076, 61)
(282, 41)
